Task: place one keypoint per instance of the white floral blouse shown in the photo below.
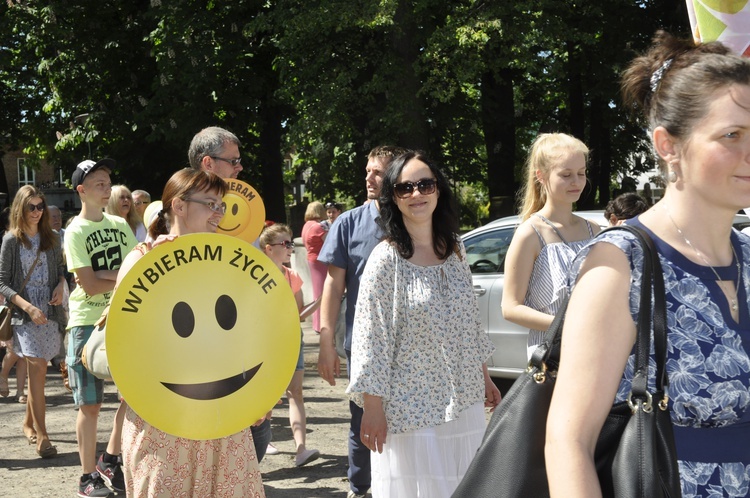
(418, 342)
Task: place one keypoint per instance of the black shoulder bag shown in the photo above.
(635, 454)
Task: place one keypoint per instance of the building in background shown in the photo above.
(51, 179)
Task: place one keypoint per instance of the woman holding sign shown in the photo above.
(155, 462)
(418, 348)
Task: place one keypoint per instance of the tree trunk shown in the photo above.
(271, 159)
(498, 123)
(414, 133)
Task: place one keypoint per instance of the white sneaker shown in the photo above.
(306, 457)
(272, 450)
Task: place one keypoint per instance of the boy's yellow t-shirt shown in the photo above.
(102, 245)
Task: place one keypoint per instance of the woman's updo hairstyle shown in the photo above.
(675, 81)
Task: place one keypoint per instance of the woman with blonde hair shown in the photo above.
(32, 278)
(313, 235)
(549, 235)
(121, 204)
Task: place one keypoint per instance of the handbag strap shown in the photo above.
(652, 274)
(547, 355)
(31, 270)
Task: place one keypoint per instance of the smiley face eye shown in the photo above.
(235, 209)
(226, 312)
(183, 319)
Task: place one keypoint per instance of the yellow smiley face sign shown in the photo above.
(149, 214)
(203, 336)
(246, 214)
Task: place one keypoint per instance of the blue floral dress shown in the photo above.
(707, 364)
(37, 341)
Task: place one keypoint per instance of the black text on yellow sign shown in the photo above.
(245, 216)
(203, 336)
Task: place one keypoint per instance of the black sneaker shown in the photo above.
(111, 474)
(93, 486)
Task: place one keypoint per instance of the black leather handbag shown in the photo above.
(635, 454)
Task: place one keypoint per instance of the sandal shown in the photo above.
(64, 373)
(47, 451)
(4, 391)
(31, 438)
(23, 399)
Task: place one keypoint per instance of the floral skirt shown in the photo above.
(158, 464)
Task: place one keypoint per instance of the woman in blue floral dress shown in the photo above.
(38, 317)
(696, 101)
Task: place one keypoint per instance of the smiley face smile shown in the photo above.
(216, 389)
(221, 349)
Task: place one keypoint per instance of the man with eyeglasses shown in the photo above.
(347, 246)
(141, 200)
(216, 149)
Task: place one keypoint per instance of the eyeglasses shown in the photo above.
(426, 186)
(287, 243)
(330, 205)
(216, 208)
(140, 203)
(35, 207)
(233, 162)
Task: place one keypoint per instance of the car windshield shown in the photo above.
(486, 251)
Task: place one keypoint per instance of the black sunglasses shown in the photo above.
(287, 243)
(37, 207)
(425, 186)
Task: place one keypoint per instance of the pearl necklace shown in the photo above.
(732, 300)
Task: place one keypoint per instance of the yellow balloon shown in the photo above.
(203, 336)
(246, 214)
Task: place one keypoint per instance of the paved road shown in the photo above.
(24, 474)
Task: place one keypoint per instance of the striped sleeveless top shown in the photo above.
(549, 277)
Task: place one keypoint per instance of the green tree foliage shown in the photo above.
(472, 82)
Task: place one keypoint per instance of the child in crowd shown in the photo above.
(95, 245)
(276, 242)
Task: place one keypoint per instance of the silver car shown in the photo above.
(486, 248)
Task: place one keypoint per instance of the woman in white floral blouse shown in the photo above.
(418, 347)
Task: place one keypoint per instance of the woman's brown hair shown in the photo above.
(675, 81)
(315, 211)
(18, 225)
(182, 185)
